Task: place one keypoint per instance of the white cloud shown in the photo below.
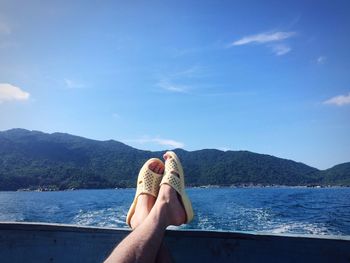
(172, 80)
(166, 85)
(263, 38)
(281, 49)
(9, 92)
(224, 149)
(72, 84)
(4, 28)
(160, 141)
(192, 72)
(321, 60)
(339, 100)
(168, 142)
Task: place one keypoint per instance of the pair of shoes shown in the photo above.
(149, 182)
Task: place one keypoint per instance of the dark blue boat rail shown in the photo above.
(37, 242)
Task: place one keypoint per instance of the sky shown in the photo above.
(270, 77)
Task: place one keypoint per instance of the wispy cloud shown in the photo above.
(263, 38)
(281, 49)
(273, 40)
(72, 84)
(174, 81)
(197, 81)
(339, 100)
(224, 149)
(4, 28)
(172, 87)
(9, 92)
(191, 72)
(321, 60)
(160, 141)
(169, 142)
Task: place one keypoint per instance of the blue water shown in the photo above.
(324, 211)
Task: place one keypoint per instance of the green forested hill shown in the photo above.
(35, 159)
(339, 174)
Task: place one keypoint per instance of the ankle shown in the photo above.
(163, 203)
(160, 213)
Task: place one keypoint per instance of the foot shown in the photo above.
(145, 202)
(170, 200)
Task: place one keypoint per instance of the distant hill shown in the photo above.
(339, 174)
(32, 159)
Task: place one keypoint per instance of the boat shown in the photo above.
(39, 242)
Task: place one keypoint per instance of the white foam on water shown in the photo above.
(107, 217)
(299, 228)
(241, 218)
(204, 222)
(12, 217)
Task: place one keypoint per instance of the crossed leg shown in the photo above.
(144, 205)
(151, 218)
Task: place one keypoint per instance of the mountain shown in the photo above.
(339, 173)
(32, 159)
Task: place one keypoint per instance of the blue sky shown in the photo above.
(265, 76)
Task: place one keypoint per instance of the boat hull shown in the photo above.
(31, 242)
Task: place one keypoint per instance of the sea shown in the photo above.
(277, 210)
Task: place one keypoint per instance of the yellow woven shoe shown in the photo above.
(147, 183)
(174, 176)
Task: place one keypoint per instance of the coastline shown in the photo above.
(46, 189)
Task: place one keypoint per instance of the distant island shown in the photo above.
(36, 160)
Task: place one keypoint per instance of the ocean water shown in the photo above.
(315, 211)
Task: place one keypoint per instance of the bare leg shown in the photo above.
(144, 205)
(143, 244)
(145, 202)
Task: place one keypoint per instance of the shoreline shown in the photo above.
(44, 189)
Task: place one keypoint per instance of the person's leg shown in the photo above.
(143, 244)
(144, 205)
(145, 202)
